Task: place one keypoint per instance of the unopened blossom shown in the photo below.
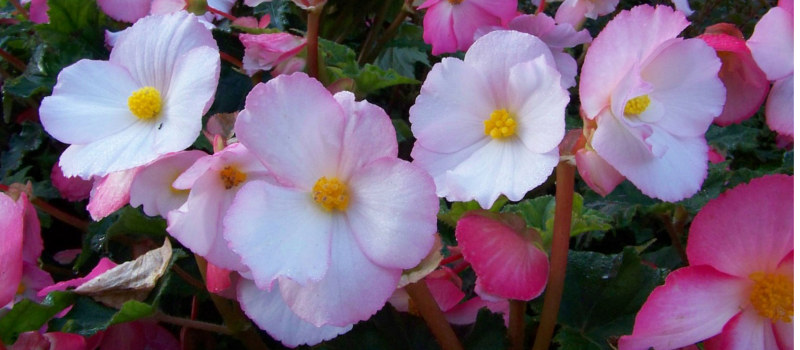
(267, 51)
(738, 290)
(652, 96)
(772, 44)
(450, 25)
(490, 125)
(148, 99)
(325, 243)
(746, 85)
(152, 185)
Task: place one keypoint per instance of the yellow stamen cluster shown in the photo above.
(773, 296)
(232, 177)
(330, 194)
(145, 103)
(637, 105)
(500, 124)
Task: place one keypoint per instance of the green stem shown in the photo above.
(516, 324)
(185, 322)
(565, 188)
(433, 316)
(312, 41)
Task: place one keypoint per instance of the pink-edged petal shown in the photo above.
(784, 334)
(438, 27)
(772, 43)
(596, 172)
(32, 244)
(163, 7)
(684, 76)
(104, 265)
(538, 101)
(11, 217)
(780, 106)
(70, 188)
(694, 304)
(125, 10)
(630, 37)
(439, 164)
(746, 229)
(65, 341)
(152, 186)
(298, 141)
(89, 102)
(504, 10)
(555, 35)
(152, 59)
(444, 289)
(467, 312)
(352, 290)
(572, 12)
(467, 18)
(654, 176)
(364, 118)
(274, 228)
(449, 112)
(392, 212)
(270, 312)
(33, 280)
(746, 331)
(508, 263)
(568, 68)
(110, 193)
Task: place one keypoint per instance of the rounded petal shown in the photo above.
(557, 36)
(572, 12)
(780, 106)
(70, 188)
(746, 229)
(110, 193)
(152, 186)
(274, 229)
(468, 16)
(507, 262)
(438, 28)
(392, 212)
(270, 312)
(295, 127)
(467, 312)
(11, 215)
(125, 10)
(746, 331)
(538, 102)
(352, 290)
(123, 151)
(694, 304)
(596, 172)
(89, 102)
(364, 118)
(772, 43)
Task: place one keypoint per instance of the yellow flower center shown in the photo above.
(232, 177)
(21, 288)
(500, 124)
(145, 103)
(330, 194)
(773, 296)
(637, 105)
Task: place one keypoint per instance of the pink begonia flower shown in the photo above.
(266, 51)
(738, 287)
(745, 84)
(147, 100)
(445, 286)
(506, 255)
(38, 11)
(152, 186)
(34, 340)
(593, 169)
(132, 10)
(574, 12)
(772, 44)
(450, 25)
(70, 188)
(111, 192)
(20, 235)
(652, 97)
(490, 124)
(213, 181)
(344, 219)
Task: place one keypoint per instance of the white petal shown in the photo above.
(780, 106)
(540, 101)
(127, 149)
(772, 43)
(152, 186)
(368, 134)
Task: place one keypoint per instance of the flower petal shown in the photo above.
(11, 214)
(270, 312)
(152, 186)
(535, 91)
(780, 106)
(364, 118)
(438, 27)
(392, 212)
(746, 229)
(772, 43)
(746, 331)
(110, 193)
(125, 10)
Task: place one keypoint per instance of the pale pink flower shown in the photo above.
(147, 100)
(772, 44)
(212, 182)
(683, 6)
(506, 255)
(326, 244)
(152, 185)
(746, 85)
(132, 10)
(110, 192)
(738, 287)
(450, 25)
(574, 12)
(652, 97)
(490, 125)
(266, 51)
(70, 188)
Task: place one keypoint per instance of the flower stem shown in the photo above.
(19, 8)
(565, 188)
(185, 322)
(390, 32)
(223, 14)
(16, 62)
(516, 324)
(312, 41)
(55, 212)
(542, 5)
(230, 59)
(373, 31)
(433, 316)
(674, 225)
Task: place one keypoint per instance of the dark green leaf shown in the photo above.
(27, 140)
(488, 332)
(133, 222)
(539, 213)
(27, 315)
(87, 317)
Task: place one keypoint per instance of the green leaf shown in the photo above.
(27, 140)
(450, 216)
(488, 332)
(403, 130)
(341, 61)
(405, 51)
(133, 222)
(602, 294)
(87, 317)
(539, 213)
(27, 315)
(94, 241)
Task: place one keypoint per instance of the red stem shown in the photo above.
(450, 259)
(542, 5)
(20, 8)
(16, 62)
(223, 14)
(230, 59)
(433, 316)
(516, 324)
(461, 267)
(565, 188)
(312, 41)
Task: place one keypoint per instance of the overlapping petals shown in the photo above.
(450, 26)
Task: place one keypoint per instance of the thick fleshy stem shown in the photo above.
(312, 40)
(230, 59)
(16, 62)
(516, 324)
(236, 321)
(221, 13)
(542, 5)
(17, 5)
(565, 188)
(433, 316)
(185, 322)
(674, 224)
